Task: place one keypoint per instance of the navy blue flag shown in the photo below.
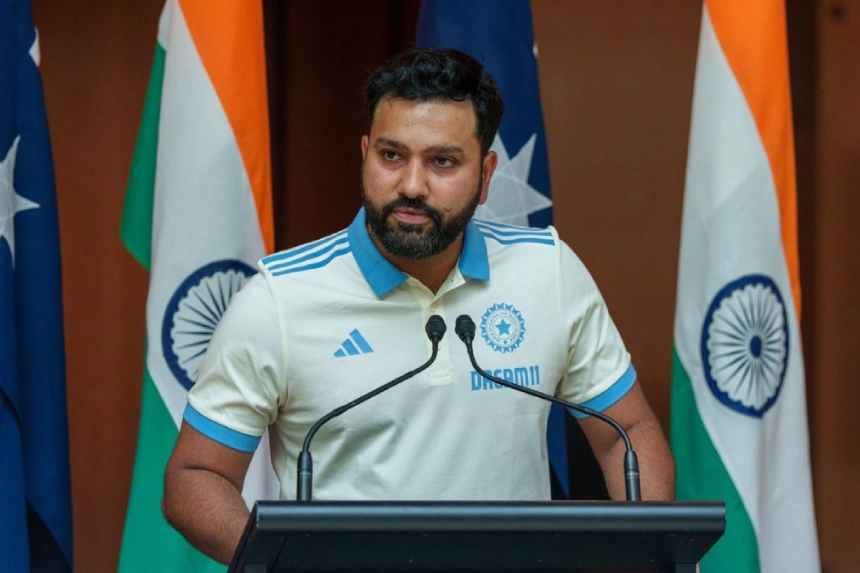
(35, 500)
(498, 33)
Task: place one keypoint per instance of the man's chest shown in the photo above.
(355, 344)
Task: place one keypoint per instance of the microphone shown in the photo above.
(465, 329)
(435, 329)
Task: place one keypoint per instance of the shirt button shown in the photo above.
(434, 307)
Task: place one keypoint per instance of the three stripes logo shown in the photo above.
(354, 345)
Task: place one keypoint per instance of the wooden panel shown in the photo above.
(616, 85)
(328, 55)
(95, 65)
(834, 391)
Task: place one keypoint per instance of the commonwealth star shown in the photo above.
(10, 202)
(511, 199)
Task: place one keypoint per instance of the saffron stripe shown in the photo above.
(228, 36)
(755, 44)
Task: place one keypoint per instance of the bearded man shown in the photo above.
(326, 322)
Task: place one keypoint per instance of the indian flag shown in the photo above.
(198, 215)
(739, 431)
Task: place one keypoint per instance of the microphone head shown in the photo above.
(465, 328)
(435, 328)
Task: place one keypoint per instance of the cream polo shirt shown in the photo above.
(326, 322)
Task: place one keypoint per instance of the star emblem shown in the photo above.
(35, 51)
(10, 202)
(503, 327)
(511, 199)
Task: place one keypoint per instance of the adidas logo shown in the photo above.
(353, 346)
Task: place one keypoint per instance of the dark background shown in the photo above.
(616, 84)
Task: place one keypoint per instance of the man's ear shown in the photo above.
(365, 140)
(488, 167)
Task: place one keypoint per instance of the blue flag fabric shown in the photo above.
(498, 33)
(35, 500)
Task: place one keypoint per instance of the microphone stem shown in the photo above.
(631, 464)
(304, 474)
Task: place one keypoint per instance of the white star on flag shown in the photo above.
(511, 198)
(35, 51)
(10, 202)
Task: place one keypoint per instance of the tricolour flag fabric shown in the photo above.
(198, 216)
(498, 33)
(739, 430)
(35, 497)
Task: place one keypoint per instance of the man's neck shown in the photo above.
(432, 271)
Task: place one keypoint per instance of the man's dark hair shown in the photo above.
(438, 75)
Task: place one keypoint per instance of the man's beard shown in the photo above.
(414, 241)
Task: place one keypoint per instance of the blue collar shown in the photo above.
(383, 277)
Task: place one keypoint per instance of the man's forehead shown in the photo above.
(391, 103)
(394, 113)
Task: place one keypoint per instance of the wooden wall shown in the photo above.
(833, 308)
(95, 67)
(616, 80)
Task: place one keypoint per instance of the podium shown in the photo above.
(555, 537)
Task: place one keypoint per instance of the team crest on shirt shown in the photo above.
(745, 346)
(193, 312)
(503, 327)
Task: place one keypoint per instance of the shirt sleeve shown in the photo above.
(599, 370)
(237, 393)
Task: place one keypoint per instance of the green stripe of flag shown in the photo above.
(149, 543)
(702, 476)
(136, 226)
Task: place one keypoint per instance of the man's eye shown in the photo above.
(390, 155)
(444, 161)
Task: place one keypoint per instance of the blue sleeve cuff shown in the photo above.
(610, 396)
(219, 433)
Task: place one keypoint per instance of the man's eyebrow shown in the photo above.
(449, 149)
(393, 143)
(387, 142)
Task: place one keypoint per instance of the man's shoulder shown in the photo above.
(314, 255)
(507, 236)
(530, 250)
(513, 245)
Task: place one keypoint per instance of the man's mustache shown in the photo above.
(416, 204)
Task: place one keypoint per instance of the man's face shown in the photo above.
(423, 175)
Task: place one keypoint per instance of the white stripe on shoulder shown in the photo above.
(511, 234)
(310, 255)
(507, 227)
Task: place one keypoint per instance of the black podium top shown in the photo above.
(473, 536)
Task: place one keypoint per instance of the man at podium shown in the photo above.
(326, 322)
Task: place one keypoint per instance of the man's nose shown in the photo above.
(414, 182)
